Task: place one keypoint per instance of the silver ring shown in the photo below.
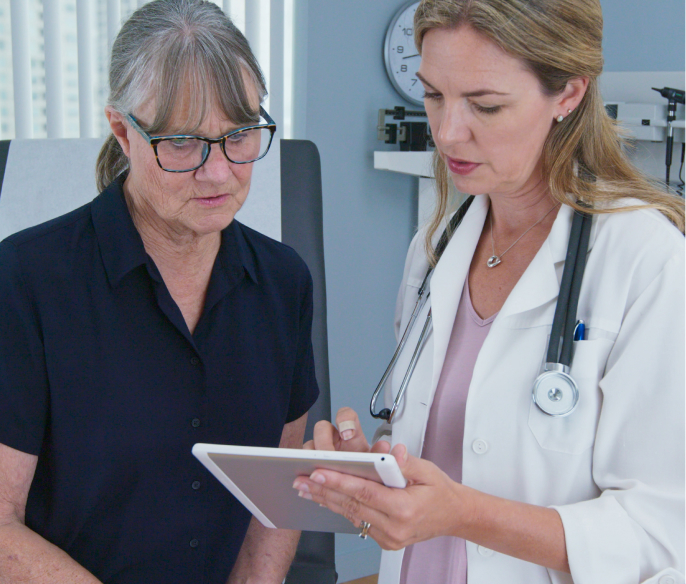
(364, 529)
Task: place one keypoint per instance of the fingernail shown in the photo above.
(322, 505)
(347, 434)
(318, 478)
(301, 487)
(305, 495)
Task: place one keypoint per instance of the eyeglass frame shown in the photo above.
(155, 140)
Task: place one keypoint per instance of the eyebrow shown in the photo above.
(478, 93)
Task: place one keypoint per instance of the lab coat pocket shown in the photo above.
(575, 433)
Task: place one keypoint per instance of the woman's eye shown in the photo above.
(493, 109)
(180, 142)
(236, 137)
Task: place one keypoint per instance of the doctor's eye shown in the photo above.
(434, 96)
(494, 109)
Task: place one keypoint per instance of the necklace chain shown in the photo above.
(495, 259)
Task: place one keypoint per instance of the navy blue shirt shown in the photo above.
(101, 378)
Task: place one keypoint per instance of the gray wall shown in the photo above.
(642, 35)
(370, 215)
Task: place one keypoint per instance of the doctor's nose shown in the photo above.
(453, 127)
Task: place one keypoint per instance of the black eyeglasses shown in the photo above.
(181, 153)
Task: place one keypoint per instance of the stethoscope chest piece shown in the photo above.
(556, 393)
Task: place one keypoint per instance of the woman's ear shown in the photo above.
(572, 95)
(119, 129)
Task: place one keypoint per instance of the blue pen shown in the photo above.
(580, 331)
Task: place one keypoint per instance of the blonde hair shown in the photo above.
(583, 158)
(185, 54)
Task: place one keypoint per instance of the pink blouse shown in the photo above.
(443, 560)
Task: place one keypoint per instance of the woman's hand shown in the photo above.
(347, 435)
(431, 505)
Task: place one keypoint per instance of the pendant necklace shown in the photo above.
(495, 259)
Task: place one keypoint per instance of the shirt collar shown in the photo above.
(122, 248)
(120, 244)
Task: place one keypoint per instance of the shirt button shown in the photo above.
(195, 485)
(194, 543)
(194, 360)
(480, 446)
(666, 580)
(484, 551)
(195, 422)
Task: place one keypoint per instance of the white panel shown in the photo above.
(265, 44)
(276, 62)
(288, 68)
(300, 57)
(236, 11)
(84, 25)
(262, 209)
(252, 26)
(21, 65)
(113, 20)
(54, 97)
(635, 86)
(42, 181)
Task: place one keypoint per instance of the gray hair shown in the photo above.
(178, 51)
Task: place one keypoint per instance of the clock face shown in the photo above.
(401, 56)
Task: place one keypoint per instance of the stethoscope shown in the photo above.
(555, 392)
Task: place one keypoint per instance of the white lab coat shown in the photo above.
(613, 469)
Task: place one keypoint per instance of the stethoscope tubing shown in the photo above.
(570, 288)
(563, 320)
(386, 413)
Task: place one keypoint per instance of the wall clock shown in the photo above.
(401, 56)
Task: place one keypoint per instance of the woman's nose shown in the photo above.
(217, 167)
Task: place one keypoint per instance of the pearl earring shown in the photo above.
(560, 118)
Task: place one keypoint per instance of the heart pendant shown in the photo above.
(493, 261)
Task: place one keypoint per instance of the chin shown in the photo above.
(210, 225)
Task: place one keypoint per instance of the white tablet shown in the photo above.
(262, 479)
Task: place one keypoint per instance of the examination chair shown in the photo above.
(42, 179)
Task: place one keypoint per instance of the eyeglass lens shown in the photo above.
(188, 153)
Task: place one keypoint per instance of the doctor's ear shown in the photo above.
(571, 96)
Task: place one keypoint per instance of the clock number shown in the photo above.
(408, 31)
(414, 82)
(403, 68)
(401, 49)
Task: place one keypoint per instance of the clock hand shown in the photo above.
(410, 56)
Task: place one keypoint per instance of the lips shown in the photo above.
(461, 167)
(213, 200)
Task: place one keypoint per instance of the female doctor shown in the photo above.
(497, 487)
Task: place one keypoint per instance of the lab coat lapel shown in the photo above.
(540, 283)
(448, 280)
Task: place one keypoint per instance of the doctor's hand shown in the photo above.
(346, 435)
(429, 506)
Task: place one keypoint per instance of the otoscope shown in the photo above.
(674, 96)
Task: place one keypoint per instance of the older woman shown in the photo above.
(503, 491)
(147, 321)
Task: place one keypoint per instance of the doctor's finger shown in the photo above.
(368, 493)
(350, 430)
(325, 436)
